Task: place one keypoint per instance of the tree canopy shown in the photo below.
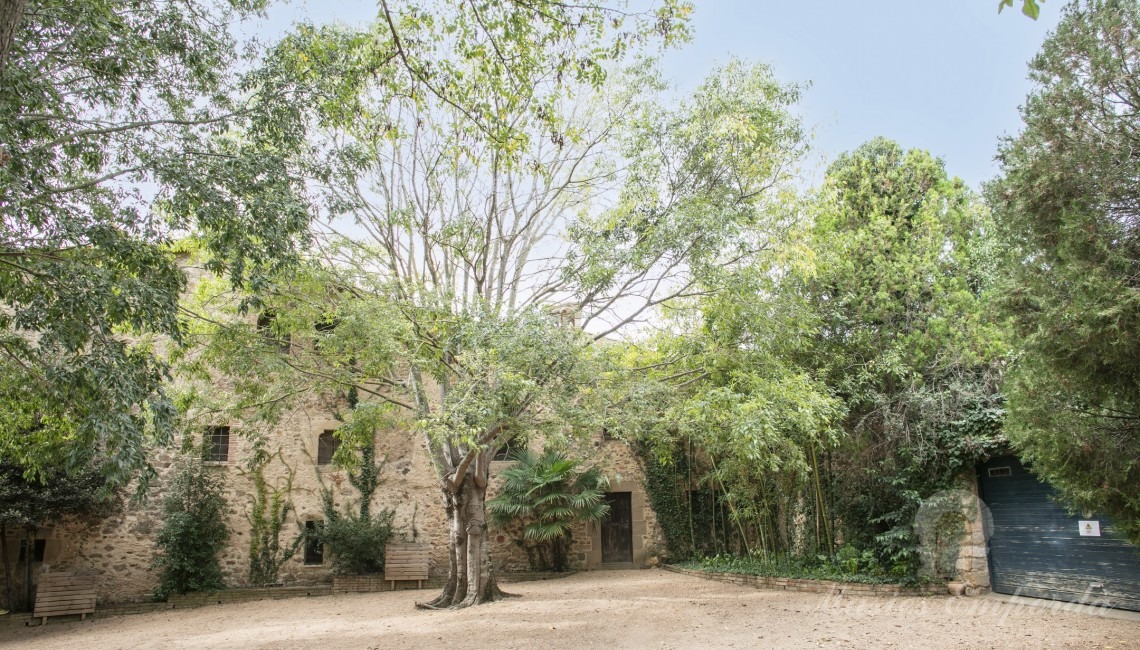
(123, 125)
(1067, 207)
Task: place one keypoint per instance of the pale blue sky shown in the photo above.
(942, 76)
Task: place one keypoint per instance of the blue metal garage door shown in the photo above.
(1037, 549)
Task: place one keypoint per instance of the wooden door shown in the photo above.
(617, 529)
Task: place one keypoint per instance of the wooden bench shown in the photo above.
(404, 561)
(58, 594)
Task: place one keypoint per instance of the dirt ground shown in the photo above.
(600, 609)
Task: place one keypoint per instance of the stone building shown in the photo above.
(120, 548)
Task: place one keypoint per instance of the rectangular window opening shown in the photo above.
(267, 328)
(327, 444)
(314, 549)
(217, 443)
(1000, 471)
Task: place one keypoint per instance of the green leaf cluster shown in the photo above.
(541, 497)
(193, 530)
(1066, 205)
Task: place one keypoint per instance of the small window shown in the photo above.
(327, 444)
(314, 549)
(37, 552)
(515, 444)
(267, 328)
(217, 443)
(1000, 471)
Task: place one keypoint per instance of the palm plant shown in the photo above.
(542, 497)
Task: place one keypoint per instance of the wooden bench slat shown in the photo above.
(59, 594)
(406, 561)
(68, 607)
(65, 597)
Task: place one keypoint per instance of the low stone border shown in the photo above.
(354, 584)
(811, 586)
(340, 585)
(243, 595)
(531, 576)
(184, 601)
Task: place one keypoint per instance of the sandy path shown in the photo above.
(602, 609)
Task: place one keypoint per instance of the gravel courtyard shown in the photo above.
(601, 609)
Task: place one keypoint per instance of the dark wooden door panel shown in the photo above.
(617, 529)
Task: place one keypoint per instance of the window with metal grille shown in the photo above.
(217, 442)
(1000, 471)
(509, 448)
(314, 549)
(327, 444)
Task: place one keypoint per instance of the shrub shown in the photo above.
(355, 542)
(543, 495)
(193, 531)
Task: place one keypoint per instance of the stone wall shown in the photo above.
(973, 550)
(624, 471)
(121, 548)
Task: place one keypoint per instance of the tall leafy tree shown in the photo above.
(122, 125)
(905, 267)
(1068, 203)
(482, 274)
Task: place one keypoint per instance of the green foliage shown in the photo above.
(1066, 205)
(30, 503)
(837, 377)
(267, 515)
(904, 338)
(541, 498)
(664, 483)
(193, 530)
(122, 125)
(355, 541)
(850, 565)
(1030, 8)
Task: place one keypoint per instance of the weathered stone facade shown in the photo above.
(973, 550)
(625, 475)
(120, 549)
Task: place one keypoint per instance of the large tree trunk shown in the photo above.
(470, 576)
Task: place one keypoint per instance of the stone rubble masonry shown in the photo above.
(973, 549)
(624, 471)
(121, 548)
